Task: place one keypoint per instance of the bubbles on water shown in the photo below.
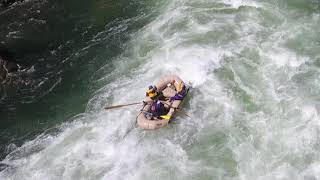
(246, 111)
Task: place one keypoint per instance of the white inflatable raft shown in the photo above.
(167, 86)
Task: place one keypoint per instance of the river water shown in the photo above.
(254, 107)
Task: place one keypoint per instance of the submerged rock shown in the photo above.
(7, 65)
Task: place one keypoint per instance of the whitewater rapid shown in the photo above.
(254, 103)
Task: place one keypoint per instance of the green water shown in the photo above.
(72, 41)
(254, 106)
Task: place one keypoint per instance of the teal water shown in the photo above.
(61, 44)
(254, 66)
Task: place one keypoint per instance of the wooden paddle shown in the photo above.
(122, 105)
(183, 112)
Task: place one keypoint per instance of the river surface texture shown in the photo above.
(254, 66)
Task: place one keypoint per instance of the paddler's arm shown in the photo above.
(146, 104)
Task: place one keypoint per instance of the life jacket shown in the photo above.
(159, 96)
(157, 109)
(180, 95)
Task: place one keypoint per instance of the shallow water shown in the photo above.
(254, 67)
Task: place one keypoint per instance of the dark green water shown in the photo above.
(254, 105)
(60, 44)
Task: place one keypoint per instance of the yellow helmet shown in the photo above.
(152, 91)
(180, 86)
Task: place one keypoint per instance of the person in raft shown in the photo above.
(156, 100)
(163, 107)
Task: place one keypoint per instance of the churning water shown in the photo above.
(254, 107)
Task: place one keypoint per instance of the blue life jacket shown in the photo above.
(180, 95)
(157, 109)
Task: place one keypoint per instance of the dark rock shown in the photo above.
(3, 74)
(11, 66)
(7, 64)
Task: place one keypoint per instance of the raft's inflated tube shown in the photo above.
(168, 91)
(171, 79)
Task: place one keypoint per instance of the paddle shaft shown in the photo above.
(183, 112)
(122, 105)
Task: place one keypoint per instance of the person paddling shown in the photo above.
(155, 99)
(162, 102)
(174, 101)
(181, 92)
(176, 83)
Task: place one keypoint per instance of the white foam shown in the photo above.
(267, 143)
(283, 57)
(103, 145)
(239, 3)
